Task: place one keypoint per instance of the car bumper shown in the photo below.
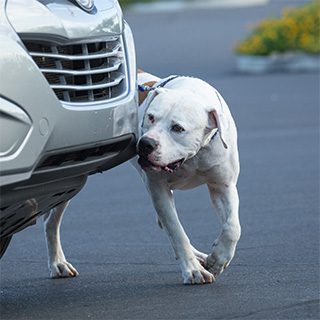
(53, 146)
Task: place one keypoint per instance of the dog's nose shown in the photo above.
(146, 145)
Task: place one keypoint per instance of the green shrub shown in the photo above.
(296, 30)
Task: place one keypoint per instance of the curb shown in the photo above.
(178, 5)
(288, 62)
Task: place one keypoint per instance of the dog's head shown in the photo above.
(175, 124)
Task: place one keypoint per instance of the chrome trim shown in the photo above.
(84, 72)
(89, 87)
(87, 5)
(77, 57)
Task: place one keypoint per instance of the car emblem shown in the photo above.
(86, 5)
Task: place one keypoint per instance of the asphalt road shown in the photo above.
(126, 265)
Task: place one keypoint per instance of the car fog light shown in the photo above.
(15, 126)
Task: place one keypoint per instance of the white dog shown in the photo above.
(187, 138)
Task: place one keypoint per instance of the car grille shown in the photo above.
(82, 72)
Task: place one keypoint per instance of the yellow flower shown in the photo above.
(297, 29)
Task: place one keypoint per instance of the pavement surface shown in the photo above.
(126, 265)
(178, 5)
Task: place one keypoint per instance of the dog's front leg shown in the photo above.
(59, 267)
(192, 271)
(226, 203)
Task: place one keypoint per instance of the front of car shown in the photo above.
(67, 102)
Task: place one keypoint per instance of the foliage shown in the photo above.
(128, 2)
(296, 30)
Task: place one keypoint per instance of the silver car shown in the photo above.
(67, 102)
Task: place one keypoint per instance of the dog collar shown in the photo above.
(145, 88)
(210, 137)
(214, 134)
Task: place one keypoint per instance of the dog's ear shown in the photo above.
(150, 95)
(142, 110)
(217, 118)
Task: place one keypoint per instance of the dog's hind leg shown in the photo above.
(226, 203)
(59, 267)
(192, 271)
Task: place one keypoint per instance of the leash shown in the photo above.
(144, 88)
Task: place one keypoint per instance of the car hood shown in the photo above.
(64, 19)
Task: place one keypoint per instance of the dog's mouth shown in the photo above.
(171, 167)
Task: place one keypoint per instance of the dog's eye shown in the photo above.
(151, 117)
(177, 128)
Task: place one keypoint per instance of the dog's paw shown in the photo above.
(215, 265)
(62, 269)
(194, 273)
(218, 260)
